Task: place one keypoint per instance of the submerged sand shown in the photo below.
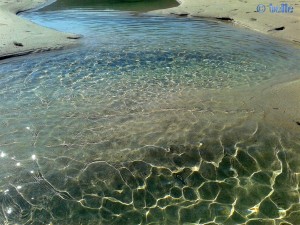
(279, 104)
(20, 37)
(238, 170)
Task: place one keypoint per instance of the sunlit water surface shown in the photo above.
(131, 127)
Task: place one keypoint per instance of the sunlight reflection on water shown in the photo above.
(135, 126)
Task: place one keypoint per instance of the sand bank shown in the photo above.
(279, 103)
(274, 103)
(19, 36)
(244, 12)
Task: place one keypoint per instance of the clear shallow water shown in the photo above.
(135, 127)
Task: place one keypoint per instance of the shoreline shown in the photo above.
(285, 26)
(279, 102)
(21, 37)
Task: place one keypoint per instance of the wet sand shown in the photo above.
(281, 25)
(21, 37)
(280, 103)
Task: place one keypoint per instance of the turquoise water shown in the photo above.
(136, 126)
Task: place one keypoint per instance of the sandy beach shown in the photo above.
(279, 102)
(284, 25)
(21, 37)
(281, 105)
